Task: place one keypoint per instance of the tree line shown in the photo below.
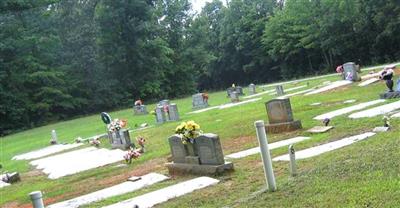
(65, 58)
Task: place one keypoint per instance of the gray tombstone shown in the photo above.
(178, 150)
(279, 111)
(229, 91)
(350, 71)
(279, 90)
(120, 139)
(173, 112)
(164, 102)
(198, 101)
(140, 110)
(239, 90)
(252, 89)
(234, 97)
(209, 149)
(160, 114)
(54, 139)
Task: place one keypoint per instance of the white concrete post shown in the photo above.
(265, 155)
(292, 164)
(54, 139)
(37, 200)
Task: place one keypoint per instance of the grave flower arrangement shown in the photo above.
(141, 141)
(117, 124)
(188, 130)
(131, 154)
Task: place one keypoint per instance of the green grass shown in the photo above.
(364, 174)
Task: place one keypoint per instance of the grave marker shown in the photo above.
(280, 116)
(198, 101)
(279, 90)
(252, 89)
(173, 113)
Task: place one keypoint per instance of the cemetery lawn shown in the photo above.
(364, 174)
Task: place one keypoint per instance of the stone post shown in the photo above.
(37, 200)
(53, 137)
(292, 164)
(265, 155)
(252, 89)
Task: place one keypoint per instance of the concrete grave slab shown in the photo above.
(331, 86)
(69, 163)
(315, 104)
(203, 110)
(271, 146)
(368, 82)
(349, 101)
(397, 115)
(380, 110)
(320, 129)
(370, 76)
(3, 184)
(165, 194)
(381, 129)
(314, 151)
(238, 103)
(112, 191)
(46, 151)
(346, 110)
(296, 93)
(259, 94)
(291, 89)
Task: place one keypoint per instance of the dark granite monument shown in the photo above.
(280, 116)
(203, 156)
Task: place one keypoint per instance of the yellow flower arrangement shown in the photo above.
(189, 130)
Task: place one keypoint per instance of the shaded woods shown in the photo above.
(64, 58)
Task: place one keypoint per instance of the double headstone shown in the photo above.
(350, 72)
(166, 112)
(206, 156)
(279, 90)
(120, 139)
(198, 101)
(252, 89)
(140, 110)
(280, 116)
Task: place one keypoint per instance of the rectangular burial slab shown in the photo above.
(291, 89)
(120, 189)
(346, 110)
(271, 146)
(314, 151)
(238, 103)
(69, 163)
(165, 194)
(203, 110)
(332, 86)
(320, 129)
(259, 94)
(381, 129)
(397, 115)
(380, 110)
(296, 93)
(368, 82)
(46, 151)
(369, 76)
(3, 184)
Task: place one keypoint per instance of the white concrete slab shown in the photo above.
(314, 151)
(346, 110)
(381, 129)
(230, 105)
(69, 163)
(271, 146)
(397, 115)
(380, 110)
(331, 86)
(369, 76)
(46, 151)
(3, 184)
(315, 104)
(258, 94)
(120, 189)
(296, 93)
(165, 194)
(320, 129)
(290, 89)
(203, 110)
(368, 82)
(349, 101)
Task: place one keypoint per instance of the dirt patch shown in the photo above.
(237, 144)
(12, 205)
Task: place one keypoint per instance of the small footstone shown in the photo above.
(320, 129)
(381, 129)
(315, 104)
(134, 178)
(349, 101)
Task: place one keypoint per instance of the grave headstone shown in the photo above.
(54, 139)
(209, 149)
(239, 90)
(173, 112)
(252, 89)
(120, 139)
(279, 90)
(229, 91)
(140, 110)
(203, 156)
(280, 116)
(350, 72)
(198, 101)
(160, 114)
(234, 97)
